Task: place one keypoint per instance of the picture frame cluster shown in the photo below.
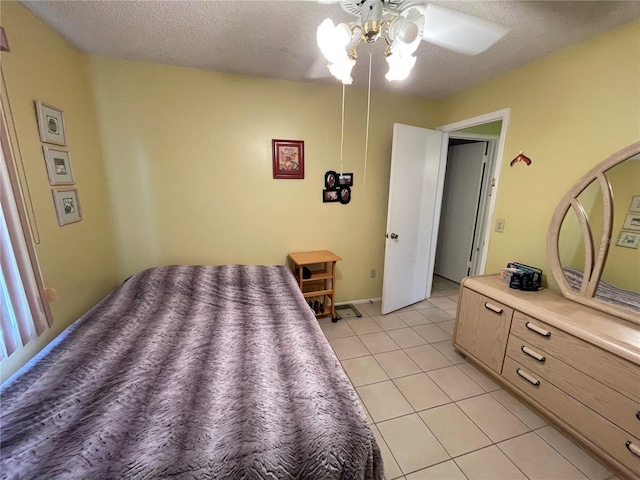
(53, 135)
(630, 234)
(337, 187)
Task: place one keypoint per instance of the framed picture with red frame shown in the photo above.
(288, 159)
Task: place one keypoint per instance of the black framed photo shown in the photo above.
(331, 180)
(329, 196)
(345, 180)
(345, 195)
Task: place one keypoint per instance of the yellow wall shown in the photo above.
(189, 164)
(569, 111)
(78, 260)
(623, 264)
(173, 165)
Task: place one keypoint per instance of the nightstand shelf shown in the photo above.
(321, 283)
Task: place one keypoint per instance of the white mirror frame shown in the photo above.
(594, 260)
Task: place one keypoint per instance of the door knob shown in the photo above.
(393, 236)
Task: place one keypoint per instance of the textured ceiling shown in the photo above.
(277, 38)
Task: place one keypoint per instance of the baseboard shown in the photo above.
(358, 302)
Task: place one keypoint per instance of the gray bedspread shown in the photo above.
(189, 372)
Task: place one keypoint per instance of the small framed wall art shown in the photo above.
(58, 166)
(628, 239)
(632, 222)
(345, 195)
(288, 159)
(51, 124)
(67, 205)
(329, 196)
(345, 180)
(331, 180)
(635, 204)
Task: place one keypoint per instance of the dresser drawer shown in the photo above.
(615, 372)
(482, 328)
(612, 405)
(589, 425)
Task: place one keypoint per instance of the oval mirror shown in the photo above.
(594, 236)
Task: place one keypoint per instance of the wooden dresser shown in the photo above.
(578, 367)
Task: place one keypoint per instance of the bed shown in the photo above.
(189, 372)
(605, 292)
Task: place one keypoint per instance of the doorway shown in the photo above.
(476, 146)
(412, 234)
(466, 187)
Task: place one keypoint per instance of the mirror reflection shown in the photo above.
(620, 280)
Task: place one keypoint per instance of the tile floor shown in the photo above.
(434, 415)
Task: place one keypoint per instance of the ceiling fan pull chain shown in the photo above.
(366, 141)
(342, 130)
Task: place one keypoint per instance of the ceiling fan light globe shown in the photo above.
(399, 67)
(332, 40)
(408, 33)
(342, 70)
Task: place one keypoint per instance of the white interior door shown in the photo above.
(460, 201)
(418, 157)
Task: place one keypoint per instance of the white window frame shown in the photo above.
(28, 314)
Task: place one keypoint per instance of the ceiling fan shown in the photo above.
(403, 24)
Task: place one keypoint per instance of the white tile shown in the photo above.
(454, 430)
(492, 417)
(406, 337)
(370, 309)
(363, 325)
(432, 333)
(442, 471)
(452, 312)
(455, 383)
(526, 452)
(446, 348)
(413, 318)
(577, 456)
(364, 370)
(451, 293)
(337, 330)
(436, 315)
(488, 463)
(520, 410)
(389, 322)
(397, 364)
(384, 401)
(412, 444)
(348, 347)
(427, 357)
(447, 326)
(479, 377)
(391, 468)
(443, 303)
(421, 391)
(421, 305)
(379, 342)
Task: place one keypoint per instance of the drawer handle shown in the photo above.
(633, 449)
(638, 415)
(528, 377)
(531, 353)
(538, 330)
(493, 308)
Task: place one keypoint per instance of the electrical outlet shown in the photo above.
(373, 273)
(500, 225)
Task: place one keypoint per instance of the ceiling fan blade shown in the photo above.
(318, 69)
(459, 31)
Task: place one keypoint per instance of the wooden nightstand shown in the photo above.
(322, 282)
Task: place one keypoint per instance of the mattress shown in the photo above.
(189, 372)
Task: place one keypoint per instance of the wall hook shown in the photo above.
(521, 156)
